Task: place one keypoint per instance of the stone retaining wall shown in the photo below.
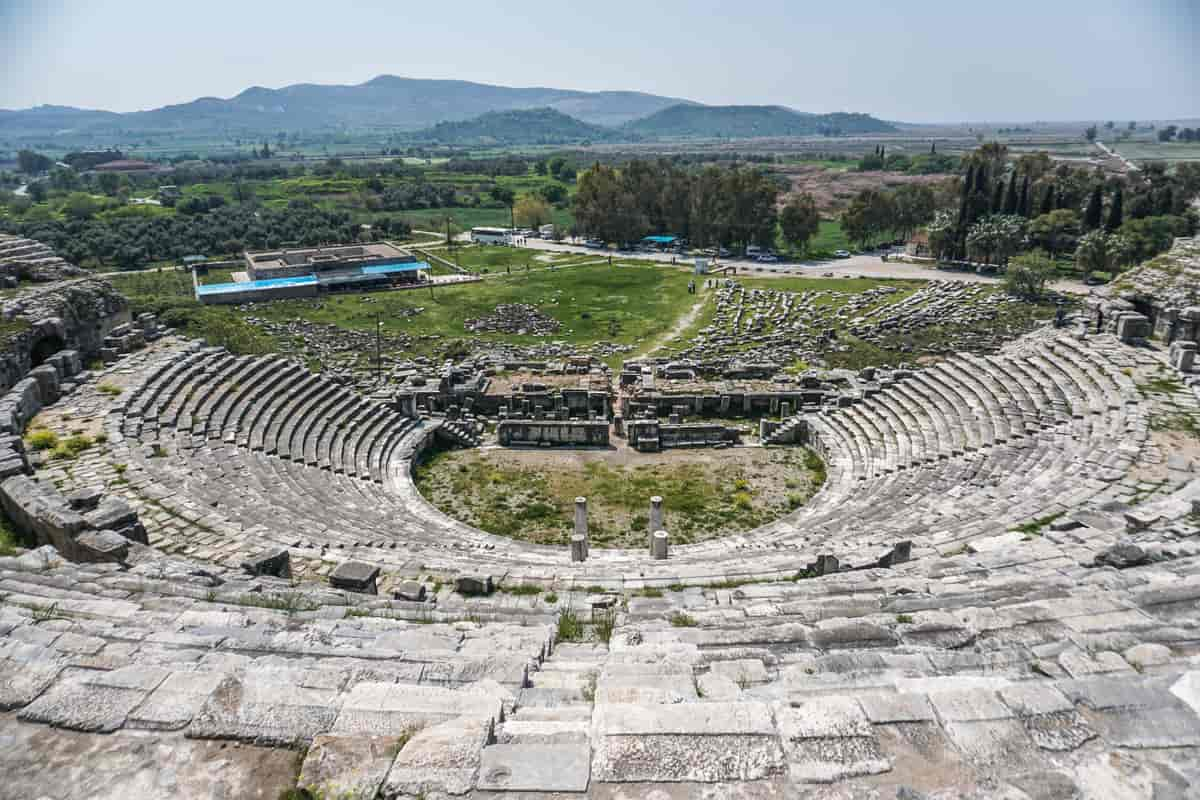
(547, 432)
(68, 323)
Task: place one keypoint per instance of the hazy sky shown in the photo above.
(918, 61)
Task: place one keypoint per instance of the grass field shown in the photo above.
(530, 495)
(624, 304)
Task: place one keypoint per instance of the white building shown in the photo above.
(491, 236)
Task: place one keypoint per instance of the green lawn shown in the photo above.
(627, 304)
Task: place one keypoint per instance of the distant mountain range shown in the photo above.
(432, 107)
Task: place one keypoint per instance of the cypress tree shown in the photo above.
(1116, 212)
(1048, 199)
(1024, 209)
(997, 198)
(1095, 209)
(882, 153)
(965, 201)
(933, 148)
(1010, 196)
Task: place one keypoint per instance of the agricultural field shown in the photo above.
(1169, 152)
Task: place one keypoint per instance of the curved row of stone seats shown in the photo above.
(942, 502)
(269, 405)
(940, 413)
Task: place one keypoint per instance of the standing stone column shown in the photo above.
(785, 409)
(658, 549)
(656, 519)
(581, 528)
(578, 547)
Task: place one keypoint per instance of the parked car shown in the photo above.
(841, 253)
(595, 244)
(767, 258)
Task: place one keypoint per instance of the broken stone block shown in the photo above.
(100, 546)
(355, 576)
(85, 499)
(277, 563)
(412, 591)
(474, 585)
(1121, 555)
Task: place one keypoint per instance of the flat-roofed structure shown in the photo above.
(288, 263)
(282, 274)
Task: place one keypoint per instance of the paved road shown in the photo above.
(859, 266)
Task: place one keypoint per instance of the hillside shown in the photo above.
(385, 101)
(739, 122)
(533, 126)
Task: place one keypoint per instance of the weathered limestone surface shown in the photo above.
(994, 595)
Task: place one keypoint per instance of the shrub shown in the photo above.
(604, 626)
(42, 439)
(682, 620)
(109, 389)
(570, 628)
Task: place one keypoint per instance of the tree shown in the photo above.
(266, 150)
(80, 206)
(1055, 231)
(1090, 133)
(1028, 274)
(531, 211)
(799, 221)
(868, 215)
(1168, 133)
(1110, 125)
(1103, 252)
(1149, 236)
(1095, 209)
(1047, 200)
(912, 206)
(32, 163)
(37, 191)
(996, 236)
(553, 192)
(1133, 126)
(1011, 201)
(505, 197)
(1115, 212)
(1034, 165)
(943, 234)
(109, 183)
(1023, 204)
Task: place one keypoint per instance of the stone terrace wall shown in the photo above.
(511, 432)
(51, 332)
(76, 314)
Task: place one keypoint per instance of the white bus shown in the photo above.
(491, 236)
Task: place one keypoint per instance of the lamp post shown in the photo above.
(378, 348)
